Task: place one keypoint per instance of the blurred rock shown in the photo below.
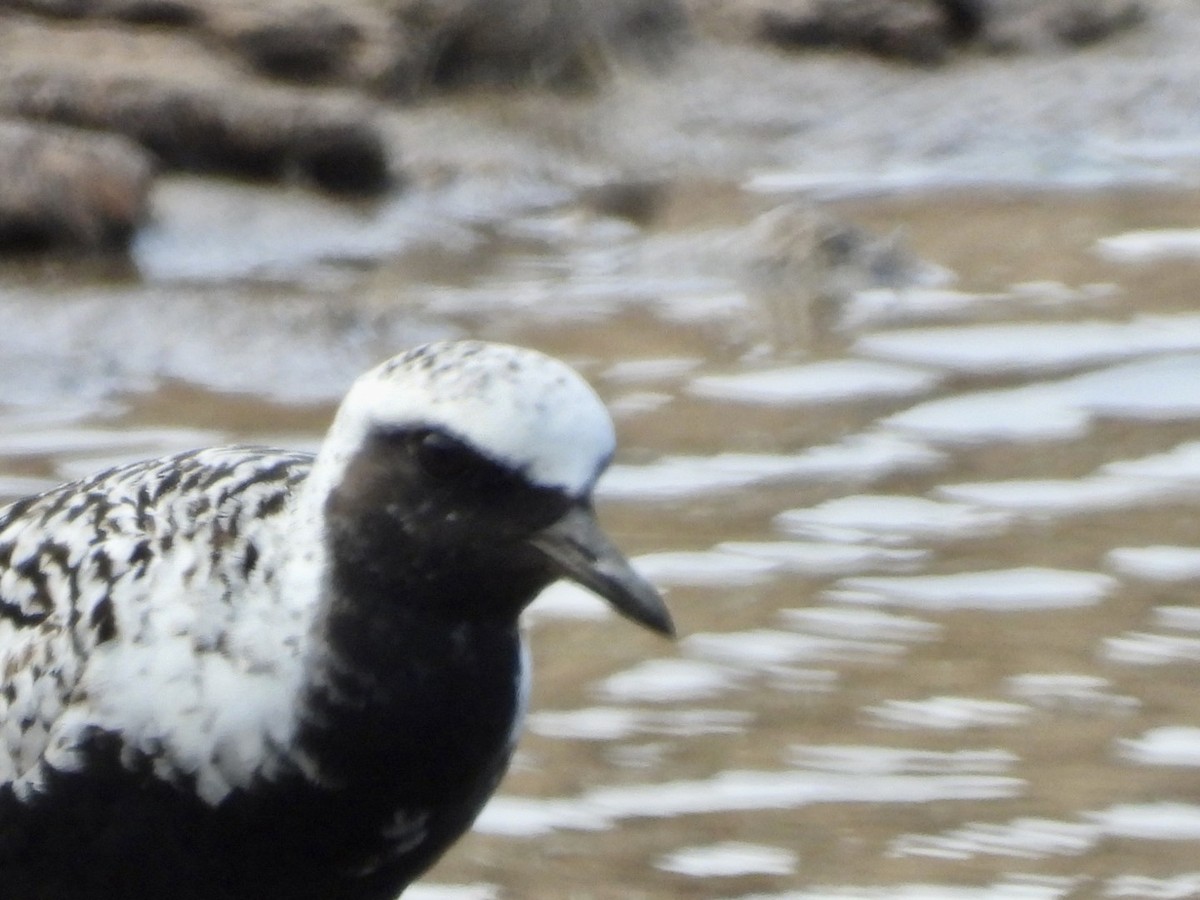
(918, 31)
(65, 188)
(1081, 23)
(310, 42)
(307, 41)
(557, 43)
(637, 200)
(964, 18)
(1023, 25)
(139, 12)
(923, 32)
(66, 9)
(178, 13)
(251, 132)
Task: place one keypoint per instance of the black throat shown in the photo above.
(414, 685)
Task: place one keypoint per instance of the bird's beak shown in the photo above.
(583, 553)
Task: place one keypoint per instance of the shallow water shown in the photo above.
(932, 552)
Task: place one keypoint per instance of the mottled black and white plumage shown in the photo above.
(248, 674)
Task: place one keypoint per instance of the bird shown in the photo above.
(245, 673)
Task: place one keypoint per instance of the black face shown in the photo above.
(418, 508)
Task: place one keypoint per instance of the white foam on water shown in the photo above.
(686, 477)
(1158, 563)
(1115, 485)
(891, 520)
(1028, 348)
(748, 790)
(611, 723)
(826, 557)
(866, 457)
(640, 371)
(513, 816)
(1162, 388)
(568, 601)
(1157, 389)
(705, 568)
(1148, 649)
(707, 303)
(79, 345)
(17, 486)
(829, 381)
(729, 859)
(597, 723)
(1011, 887)
(207, 230)
(1144, 887)
(947, 713)
(887, 306)
(1163, 821)
(1180, 618)
(452, 892)
(671, 681)
(34, 413)
(638, 403)
(1180, 464)
(861, 623)
(1032, 413)
(765, 647)
(870, 759)
(1059, 496)
(1024, 838)
(1069, 692)
(881, 307)
(1150, 245)
(731, 791)
(861, 457)
(1001, 590)
(90, 440)
(801, 680)
(1169, 745)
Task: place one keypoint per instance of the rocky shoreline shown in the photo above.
(99, 97)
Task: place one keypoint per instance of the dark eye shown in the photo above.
(441, 456)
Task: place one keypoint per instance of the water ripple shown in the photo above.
(731, 791)
(947, 713)
(728, 859)
(1002, 590)
(1026, 838)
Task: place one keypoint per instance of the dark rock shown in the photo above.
(340, 151)
(173, 13)
(252, 132)
(1088, 21)
(138, 12)
(917, 31)
(1028, 25)
(636, 200)
(63, 9)
(557, 43)
(306, 43)
(965, 19)
(61, 187)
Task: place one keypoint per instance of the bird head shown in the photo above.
(478, 460)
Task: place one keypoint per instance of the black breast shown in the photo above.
(395, 784)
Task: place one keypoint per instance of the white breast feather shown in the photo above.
(202, 665)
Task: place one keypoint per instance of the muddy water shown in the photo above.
(933, 552)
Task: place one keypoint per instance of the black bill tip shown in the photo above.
(582, 552)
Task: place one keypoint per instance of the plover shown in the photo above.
(251, 674)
